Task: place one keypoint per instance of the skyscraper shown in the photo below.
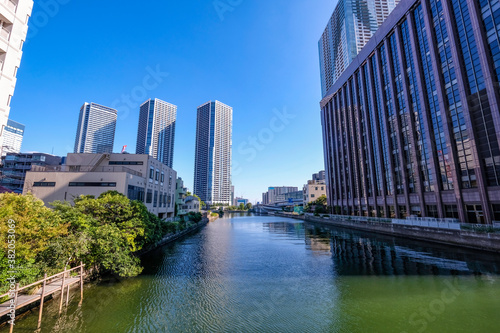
(351, 26)
(212, 170)
(12, 137)
(14, 17)
(96, 129)
(156, 132)
(412, 128)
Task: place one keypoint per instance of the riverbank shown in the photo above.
(173, 237)
(469, 239)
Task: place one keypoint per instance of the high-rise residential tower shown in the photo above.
(156, 132)
(14, 16)
(212, 170)
(351, 26)
(12, 137)
(96, 129)
(412, 128)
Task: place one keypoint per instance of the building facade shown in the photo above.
(156, 132)
(212, 171)
(139, 177)
(412, 127)
(314, 189)
(13, 134)
(277, 194)
(15, 166)
(96, 129)
(14, 16)
(351, 26)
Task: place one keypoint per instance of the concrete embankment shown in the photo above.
(173, 237)
(462, 238)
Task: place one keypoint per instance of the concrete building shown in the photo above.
(272, 195)
(15, 166)
(96, 129)
(139, 177)
(238, 201)
(320, 176)
(351, 26)
(191, 205)
(12, 137)
(412, 127)
(156, 132)
(180, 196)
(212, 171)
(14, 16)
(313, 190)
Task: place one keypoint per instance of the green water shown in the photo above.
(267, 274)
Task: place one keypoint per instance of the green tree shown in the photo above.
(248, 206)
(241, 206)
(34, 228)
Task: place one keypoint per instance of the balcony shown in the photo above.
(5, 33)
(10, 4)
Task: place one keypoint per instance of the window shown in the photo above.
(157, 178)
(475, 214)
(162, 177)
(125, 163)
(44, 184)
(149, 196)
(155, 200)
(90, 184)
(451, 211)
(312, 195)
(496, 212)
(432, 211)
(135, 193)
(151, 173)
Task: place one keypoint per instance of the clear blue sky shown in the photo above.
(259, 57)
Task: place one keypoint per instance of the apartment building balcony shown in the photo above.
(10, 4)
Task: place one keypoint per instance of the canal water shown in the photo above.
(271, 274)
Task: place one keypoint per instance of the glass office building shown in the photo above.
(412, 127)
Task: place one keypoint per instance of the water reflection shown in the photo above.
(361, 253)
(269, 274)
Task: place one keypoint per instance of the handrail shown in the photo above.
(41, 281)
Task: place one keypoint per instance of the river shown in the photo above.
(272, 274)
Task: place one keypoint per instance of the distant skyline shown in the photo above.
(261, 58)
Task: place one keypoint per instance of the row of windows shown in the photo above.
(386, 126)
(75, 184)
(125, 163)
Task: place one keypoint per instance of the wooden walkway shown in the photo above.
(48, 286)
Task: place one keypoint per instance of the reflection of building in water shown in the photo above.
(285, 228)
(356, 254)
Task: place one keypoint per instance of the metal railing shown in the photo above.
(426, 222)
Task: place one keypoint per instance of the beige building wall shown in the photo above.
(94, 174)
(313, 190)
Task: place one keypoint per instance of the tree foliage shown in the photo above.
(104, 233)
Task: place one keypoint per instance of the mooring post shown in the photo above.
(42, 298)
(15, 305)
(67, 295)
(62, 291)
(81, 281)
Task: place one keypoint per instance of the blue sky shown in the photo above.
(260, 57)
